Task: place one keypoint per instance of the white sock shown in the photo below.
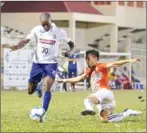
(88, 104)
(118, 117)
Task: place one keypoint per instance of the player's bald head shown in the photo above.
(45, 17)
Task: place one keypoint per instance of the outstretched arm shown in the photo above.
(23, 42)
(20, 45)
(71, 46)
(122, 62)
(73, 80)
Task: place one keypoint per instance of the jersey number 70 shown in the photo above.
(45, 50)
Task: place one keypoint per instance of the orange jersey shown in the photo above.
(98, 76)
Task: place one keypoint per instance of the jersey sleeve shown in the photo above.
(101, 66)
(31, 35)
(63, 36)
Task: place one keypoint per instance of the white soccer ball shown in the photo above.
(36, 112)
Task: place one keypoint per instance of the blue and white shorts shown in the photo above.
(40, 71)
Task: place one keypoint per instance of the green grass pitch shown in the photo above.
(64, 113)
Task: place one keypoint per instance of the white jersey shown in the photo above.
(48, 42)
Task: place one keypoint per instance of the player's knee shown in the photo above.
(86, 100)
(46, 87)
(94, 99)
(104, 114)
(31, 88)
(30, 91)
(48, 82)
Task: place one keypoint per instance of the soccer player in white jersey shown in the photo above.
(48, 37)
(102, 96)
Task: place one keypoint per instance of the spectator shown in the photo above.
(111, 77)
(134, 79)
(61, 72)
(118, 82)
(126, 84)
(72, 67)
(125, 71)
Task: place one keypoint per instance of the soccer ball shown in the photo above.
(36, 113)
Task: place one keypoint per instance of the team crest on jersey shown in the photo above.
(53, 72)
(99, 75)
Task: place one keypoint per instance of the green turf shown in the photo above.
(64, 113)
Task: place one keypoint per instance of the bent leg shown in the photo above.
(89, 102)
(35, 77)
(125, 114)
(31, 87)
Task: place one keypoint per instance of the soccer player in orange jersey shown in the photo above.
(101, 95)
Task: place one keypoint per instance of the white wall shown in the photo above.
(80, 39)
(20, 21)
(126, 16)
(95, 33)
(26, 21)
(131, 17)
(87, 36)
(107, 10)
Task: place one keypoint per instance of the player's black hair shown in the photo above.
(92, 52)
